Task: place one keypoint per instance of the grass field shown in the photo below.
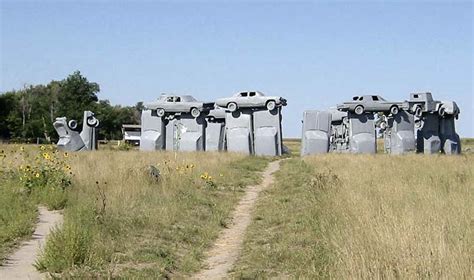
(329, 216)
(121, 222)
(365, 217)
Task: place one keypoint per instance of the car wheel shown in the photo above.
(359, 110)
(72, 124)
(271, 104)
(160, 112)
(394, 110)
(92, 122)
(441, 111)
(418, 111)
(232, 107)
(195, 112)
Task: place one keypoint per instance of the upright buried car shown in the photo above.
(370, 103)
(249, 99)
(178, 104)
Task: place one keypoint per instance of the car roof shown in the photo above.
(259, 93)
(184, 98)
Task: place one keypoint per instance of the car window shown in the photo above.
(169, 99)
(178, 99)
(252, 93)
(375, 98)
(243, 94)
(355, 98)
(361, 98)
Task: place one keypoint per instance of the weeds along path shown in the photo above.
(225, 251)
(20, 264)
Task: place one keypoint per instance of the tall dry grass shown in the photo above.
(365, 217)
(121, 222)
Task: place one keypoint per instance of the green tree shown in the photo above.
(76, 95)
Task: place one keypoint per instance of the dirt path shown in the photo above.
(20, 264)
(226, 249)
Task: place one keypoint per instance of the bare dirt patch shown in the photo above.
(20, 264)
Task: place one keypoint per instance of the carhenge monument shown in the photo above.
(72, 140)
(419, 124)
(248, 122)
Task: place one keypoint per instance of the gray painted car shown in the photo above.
(370, 103)
(249, 99)
(178, 104)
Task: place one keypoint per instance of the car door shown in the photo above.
(244, 99)
(364, 102)
(254, 100)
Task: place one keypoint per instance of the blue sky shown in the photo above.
(315, 54)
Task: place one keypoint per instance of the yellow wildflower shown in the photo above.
(37, 175)
(22, 148)
(65, 154)
(42, 148)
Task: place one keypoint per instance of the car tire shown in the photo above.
(441, 111)
(394, 110)
(418, 124)
(195, 112)
(271, 105)
(418, 111)
(232, 107)
(359, 110)
(72, 124)
(92, 122)
(160, 112)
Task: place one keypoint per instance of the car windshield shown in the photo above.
(355, 98)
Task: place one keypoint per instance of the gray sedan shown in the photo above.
(249, 99)
(370, 103)
(178, 104)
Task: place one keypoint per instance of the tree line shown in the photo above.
(29, 113)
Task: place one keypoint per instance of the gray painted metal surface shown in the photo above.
(215, 130)
(89, 131)
(399, 136)
(370, 103)
(191, 133)
(153, 132)
(339, 139)
(316, 132)
(239, 131)
(71, 140)
(428, 140)
(362, 138)
(250, 99)
(450, 140)
(267, 132)
(215, 140)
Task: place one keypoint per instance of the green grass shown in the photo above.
(121, 223)
(17, 216)
(364, 217)
(294, 146)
